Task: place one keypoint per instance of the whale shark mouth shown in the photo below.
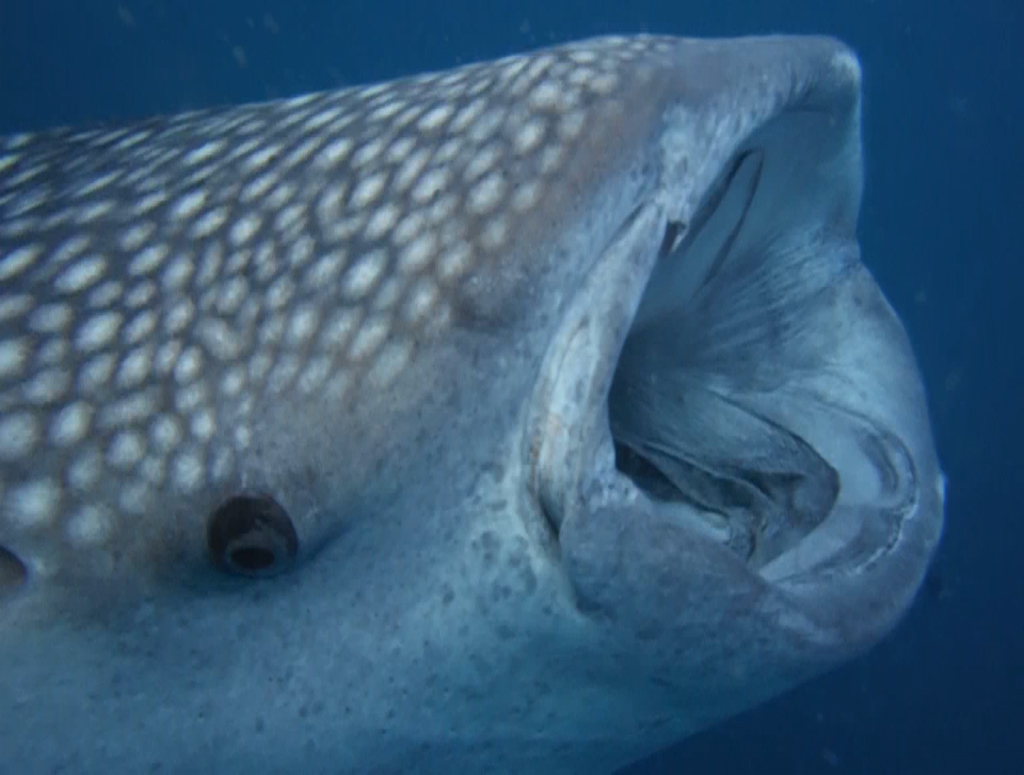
(682, 431)
(717, 407)
(728, 383)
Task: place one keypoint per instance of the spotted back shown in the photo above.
(168, 287)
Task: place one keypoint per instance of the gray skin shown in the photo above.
(569, 418)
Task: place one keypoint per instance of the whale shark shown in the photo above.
(526, 417)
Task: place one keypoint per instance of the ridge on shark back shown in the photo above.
(525, 417)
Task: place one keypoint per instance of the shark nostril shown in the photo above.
(13, 572)
(252, 535)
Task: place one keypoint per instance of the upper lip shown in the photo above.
(569, 438)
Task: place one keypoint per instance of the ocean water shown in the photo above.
(941, 227)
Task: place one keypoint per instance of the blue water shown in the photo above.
(942, 229)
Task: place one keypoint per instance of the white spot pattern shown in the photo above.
(164, 285)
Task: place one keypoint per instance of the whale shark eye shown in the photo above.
(12, 571)
(252, 535)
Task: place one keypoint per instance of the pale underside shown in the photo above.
(521, 418)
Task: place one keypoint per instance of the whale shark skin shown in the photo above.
(525, 417)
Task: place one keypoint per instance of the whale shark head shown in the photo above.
(525, 417)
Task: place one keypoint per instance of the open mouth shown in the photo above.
(681, 430)
(724, 382)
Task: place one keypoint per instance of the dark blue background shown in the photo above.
(941, 228)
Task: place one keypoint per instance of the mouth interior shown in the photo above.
(719, 326)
